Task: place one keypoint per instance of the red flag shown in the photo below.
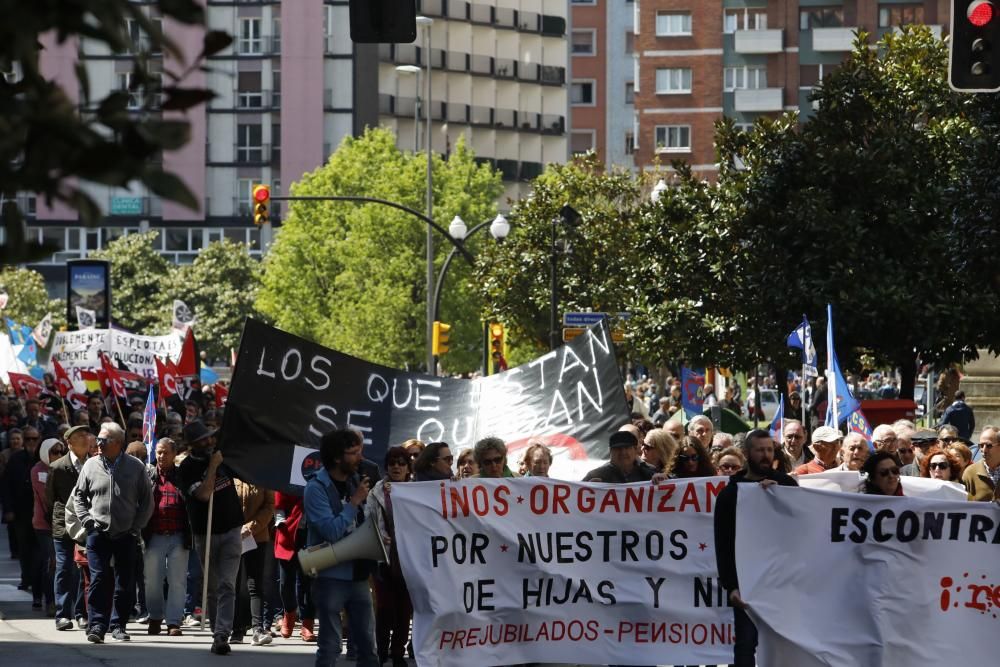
(221, 394)
(188, 362)
(167, 374)
(25, 386)
(114, 379)
(66, 388)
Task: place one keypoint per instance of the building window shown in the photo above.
(742, 127)
(890, 16)
(739, 78)
(629, 43)
(629, 143)
(673, 81)
(249, 95)
(584, 42)
(673, 138)
(249, 140)
(582, 93)
(581, 141)
(250, 39)
(673, 24)
(629, 92)
(584, 2)
(821, 17)
(744, 19)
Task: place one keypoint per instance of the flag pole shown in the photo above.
(208, 554)
(802, 395)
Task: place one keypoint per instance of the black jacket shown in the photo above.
(58, 487)
(609, 474)
(725, 526)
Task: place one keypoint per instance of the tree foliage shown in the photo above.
(513, 277)
(352, 277)
(220, 286)
(48, 147)
(28, 302)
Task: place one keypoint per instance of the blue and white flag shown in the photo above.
(802, 339)
(692, 391)
(839, 391)
(149, 425)
(777, 427)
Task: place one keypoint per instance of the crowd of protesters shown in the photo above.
(109, 533)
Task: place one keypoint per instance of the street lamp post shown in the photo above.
(569, 217)
(413, 69)
(459, 231)
(426, 24)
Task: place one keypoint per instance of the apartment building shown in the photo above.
(602, 63)
(701, 60)
(498, 77)
(293, 85)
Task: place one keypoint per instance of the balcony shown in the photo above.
(258, 46)
(758, 100)
(759, 41)
(257, 99)
(833, 39)
(552, 75)
(480, 64)
(430, 7)
(553, 124)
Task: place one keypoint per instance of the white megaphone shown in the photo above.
(363, 544)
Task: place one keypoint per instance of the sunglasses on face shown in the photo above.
(949, 440)
(446, 459)
(646, 447)
(986, 445)
(889, 471)
(905, 450)
(102, 442)
(493, 462)
(729, 466)
(885, 441)
(941, 465)
(685, 458)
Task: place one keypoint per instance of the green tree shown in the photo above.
(856, 207)
(513, 277)
(220, 286)
(352, 277)
(48, 147)
(140, 282)
(28, 302)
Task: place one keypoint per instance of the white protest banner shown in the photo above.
(80, 350)
(506, 571)
(850, 579)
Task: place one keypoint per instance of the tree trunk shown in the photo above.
(908, 375)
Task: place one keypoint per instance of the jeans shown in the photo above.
(296, 589)
(166, 557)
(393, 611)
(192, 598)
(333, 595)
(223, 566)
(272, 597)
(41, 583)
(140, 583)
(111, 591)
(250, 599)
(67, 585)
(745, 641)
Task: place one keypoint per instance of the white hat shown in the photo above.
(826, 434)
(43, 450)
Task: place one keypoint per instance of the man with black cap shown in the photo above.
(202, 476)
(922, 441)
(624, 466)
(63, 474)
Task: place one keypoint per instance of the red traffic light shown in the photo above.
(261, 193)
(980, 13)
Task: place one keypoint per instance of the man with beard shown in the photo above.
(758, 447)
(334, 507)
(201, 475)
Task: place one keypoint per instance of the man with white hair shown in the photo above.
(884, 439)
(853, 452)
(701, 427)
(114, 500)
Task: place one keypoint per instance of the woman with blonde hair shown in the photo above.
(659, 449)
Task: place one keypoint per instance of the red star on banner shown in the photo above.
(503, 548)
(702, 546)
(520, 499)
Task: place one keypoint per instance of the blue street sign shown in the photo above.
(587, 319)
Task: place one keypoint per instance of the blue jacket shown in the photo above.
(960, 415)
(330, 519)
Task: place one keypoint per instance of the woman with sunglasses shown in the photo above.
(693, 460)
(433, 463)
(729, 461)
(393, 609)
(941, 464)
(658, 450)
(882, 475)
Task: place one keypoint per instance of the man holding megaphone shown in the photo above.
(334, 507)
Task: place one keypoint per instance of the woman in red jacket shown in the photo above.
(295, 587)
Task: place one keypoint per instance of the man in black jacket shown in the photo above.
(624, 466)
(758, 447)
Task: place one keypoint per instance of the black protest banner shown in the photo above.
(287, 392)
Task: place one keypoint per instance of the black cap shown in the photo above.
(924, 436)
(196, 431)
(622, 439)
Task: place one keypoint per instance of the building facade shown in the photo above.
(293, 85)
(702, 60)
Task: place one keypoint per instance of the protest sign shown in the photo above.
(81, 350)
(287, 392)
(867, 563)
(507, 571)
